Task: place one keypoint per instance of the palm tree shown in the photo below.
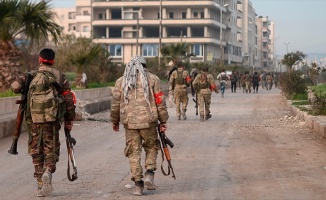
(81, 53)
(31, 21)
(176, 52)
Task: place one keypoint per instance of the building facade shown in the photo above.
(218, 31)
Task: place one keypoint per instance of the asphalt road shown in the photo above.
(250, 149)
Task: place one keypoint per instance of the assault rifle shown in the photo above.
(71, 142)
(165, 142)
(20, 113)
(196, 103)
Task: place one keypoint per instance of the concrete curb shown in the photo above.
(317, 123)
(89, 101)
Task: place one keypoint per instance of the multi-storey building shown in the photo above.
(233, 33)
(218, 31)
(264, 42)
(130, 27)
(66, 17)
(249, 35)
(83, 18)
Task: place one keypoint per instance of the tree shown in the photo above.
(31, 21)
(292, 58)
(176, 52)
(83, 56)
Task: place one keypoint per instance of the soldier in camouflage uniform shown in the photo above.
(44, 144)
(204, 84)
(180, 80)
(247, 79)
(138, 103)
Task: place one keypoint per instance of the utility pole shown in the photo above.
(160, 39)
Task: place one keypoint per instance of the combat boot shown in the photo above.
(184, 114)
(139, 188)
(149, 180)
(47, 183)
(39, 192)
(201, 118)
(208, 116)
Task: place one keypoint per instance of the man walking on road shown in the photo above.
(43, 115)
(204, 84)
(180, 80)
(138, 103)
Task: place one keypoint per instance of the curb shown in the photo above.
(316, 123)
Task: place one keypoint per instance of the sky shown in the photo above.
(301, 23)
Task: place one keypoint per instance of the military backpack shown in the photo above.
(45, 103)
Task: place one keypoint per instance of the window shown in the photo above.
(150, 50)
(265, 34)
(115, 50)
(202, 15)
(171, 15)
(197, 50)
(100, 16)
(184, 15)
(196, 14)
(85, 29)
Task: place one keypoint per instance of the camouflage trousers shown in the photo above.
(204, 103)
(135, 140)
(44, 147)
(180, 97)
(248, 86)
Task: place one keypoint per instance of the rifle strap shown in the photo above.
(162, 169)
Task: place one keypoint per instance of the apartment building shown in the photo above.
(130, 27)
(264, 35)
(218, 31)
(66, 17)
(249, 35)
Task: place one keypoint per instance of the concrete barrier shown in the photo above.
(89, 101)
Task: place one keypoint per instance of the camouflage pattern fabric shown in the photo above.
(204, 95)
(180, 100)
(44, 146)
(180, 91)
(140, 121)
(204, 102)
(137, 114)
(135, 140)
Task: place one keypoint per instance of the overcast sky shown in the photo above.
(301, 23)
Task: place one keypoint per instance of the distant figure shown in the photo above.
(204, 84)
(180, 80)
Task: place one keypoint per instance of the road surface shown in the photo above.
(250, 149)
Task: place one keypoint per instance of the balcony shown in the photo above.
(83, 18)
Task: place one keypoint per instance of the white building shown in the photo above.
(219, 31)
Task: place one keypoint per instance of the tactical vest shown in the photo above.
(180, 79)
(203, 83)
(44, 102)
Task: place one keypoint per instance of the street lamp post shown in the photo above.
(221, 34)
(287, 47)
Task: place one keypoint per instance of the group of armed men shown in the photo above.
(202, 84)
(138, 104)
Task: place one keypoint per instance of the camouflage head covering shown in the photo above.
(132, 70)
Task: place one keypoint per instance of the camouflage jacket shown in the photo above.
(174, 76)
(63, 83)
(138, 114)
(210, 84)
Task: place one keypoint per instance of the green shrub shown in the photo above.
(71, 76)
(8, 93)
(300, 96)
(318, 104)
(292, 83)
